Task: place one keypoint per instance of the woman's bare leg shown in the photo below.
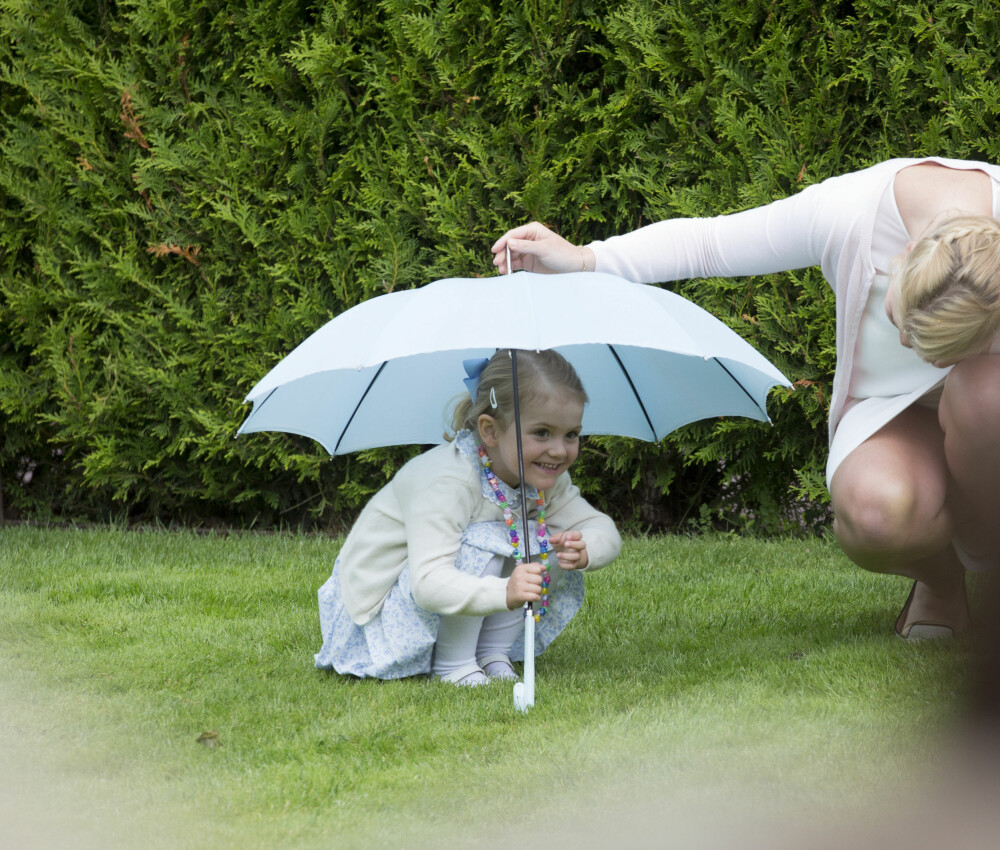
(890, 501)
(970, 417)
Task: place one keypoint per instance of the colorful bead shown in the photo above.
(515, 541)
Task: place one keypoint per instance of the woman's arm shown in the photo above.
(787, 234)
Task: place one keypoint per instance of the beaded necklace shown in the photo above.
(515, 541)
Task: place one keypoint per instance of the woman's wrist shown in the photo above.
(587, 260)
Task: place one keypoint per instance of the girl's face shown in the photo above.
(550, 440)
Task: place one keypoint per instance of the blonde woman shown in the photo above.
(911, 248)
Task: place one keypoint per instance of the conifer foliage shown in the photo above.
(188, 189)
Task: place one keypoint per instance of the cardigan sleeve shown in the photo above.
(436, 514)
(567, 510)
(791, 233)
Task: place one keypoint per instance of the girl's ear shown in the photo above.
(489, 433)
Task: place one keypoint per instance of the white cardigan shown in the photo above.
(829, 224)
(419, 518)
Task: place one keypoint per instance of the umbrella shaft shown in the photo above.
(520, 457)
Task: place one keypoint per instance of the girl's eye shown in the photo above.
(541, 433)
(573, 435)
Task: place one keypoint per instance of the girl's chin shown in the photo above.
(541, 479)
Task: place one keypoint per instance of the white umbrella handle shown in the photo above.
(524, 691)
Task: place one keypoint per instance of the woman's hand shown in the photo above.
(524, 584)
(571, 549)
(535, 248)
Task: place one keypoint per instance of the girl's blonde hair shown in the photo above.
(948, 289)
(538, 372)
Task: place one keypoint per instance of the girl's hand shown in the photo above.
(571, 549)
(535, 248)
(524, 585)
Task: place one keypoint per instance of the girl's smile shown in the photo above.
(550, 440)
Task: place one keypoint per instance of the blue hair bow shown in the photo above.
(473, 368)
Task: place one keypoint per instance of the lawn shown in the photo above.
(158, 687)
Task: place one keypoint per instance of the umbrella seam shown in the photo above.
(357, 407)
(635, 393)
(256, 409)
(738, 383)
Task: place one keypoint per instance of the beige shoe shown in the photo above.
(918, 630)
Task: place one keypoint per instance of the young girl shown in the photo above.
(431, 577)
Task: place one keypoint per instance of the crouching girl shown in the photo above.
(432, 577)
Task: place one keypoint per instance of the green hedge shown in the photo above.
(188, 189)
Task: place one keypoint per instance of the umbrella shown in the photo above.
(649, 359)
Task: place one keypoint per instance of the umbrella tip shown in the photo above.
(520, 698)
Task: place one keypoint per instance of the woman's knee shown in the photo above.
(880, 514)
(876, 514)
(889, 494)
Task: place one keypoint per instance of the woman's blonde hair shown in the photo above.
(948, 289)
(538, 372)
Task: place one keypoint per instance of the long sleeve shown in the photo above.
(435, 520)
(418, 519)
(791, 233)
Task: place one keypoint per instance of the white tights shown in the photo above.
(467, 644)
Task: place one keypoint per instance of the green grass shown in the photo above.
(706, 680)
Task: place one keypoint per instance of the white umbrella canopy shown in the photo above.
(383, 372)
